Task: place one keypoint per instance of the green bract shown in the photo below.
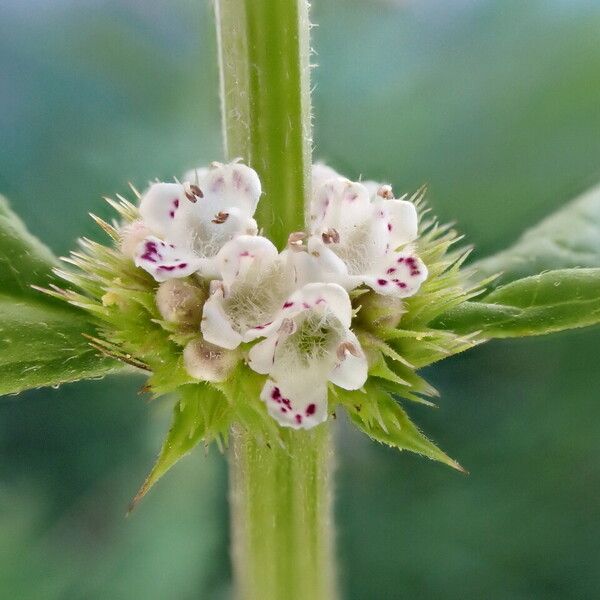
(112, 319)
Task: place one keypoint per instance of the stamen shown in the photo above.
(331, 236)
(192, 192)
(346, 348)
(295, 239)
(220, 218)
(385, 192)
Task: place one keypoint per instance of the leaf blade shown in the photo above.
(568, 238)
(547, 303)
(42, 339)
(44, 345)
(24, 260)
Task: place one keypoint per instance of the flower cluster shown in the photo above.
(288, 314)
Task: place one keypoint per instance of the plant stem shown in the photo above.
(280, 504)
(265, 103)
(280, 497)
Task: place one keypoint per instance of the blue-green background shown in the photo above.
(494, 104)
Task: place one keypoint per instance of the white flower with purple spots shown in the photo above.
(356, 231)
(190, 222)
(293, 306)
(255, 281)
(308, 344)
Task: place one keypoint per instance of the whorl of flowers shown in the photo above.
(345, 314)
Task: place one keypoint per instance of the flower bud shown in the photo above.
(379, 311)
(180, 301)
(208, 362)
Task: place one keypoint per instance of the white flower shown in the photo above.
(256, 280)
(355, 237)
(191, 222)
(308, 344)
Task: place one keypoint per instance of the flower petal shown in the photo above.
(329, 262)
(403, 221)
(304, 266)
(400, 275)
(320, 174)
(215, 325)
(261, 357)
(339, 204)
(238, 255)
(320, 295)
(350, 371)
(296, 406)
(160, 206)
(132, 235)
(164, 260)
(232, 185)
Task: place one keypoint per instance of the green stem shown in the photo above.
(280, 498)
(281, 519)
(265, 102)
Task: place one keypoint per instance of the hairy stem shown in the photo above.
(280, 497)
(265, 102)
(280, 503)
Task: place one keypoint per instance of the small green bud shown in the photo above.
(208, 362)
(180, 301)
(379, 311)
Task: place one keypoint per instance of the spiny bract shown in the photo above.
(189, 292)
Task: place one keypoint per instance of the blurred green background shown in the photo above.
(495, 104)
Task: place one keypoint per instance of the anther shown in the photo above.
(346, 348)
(220, 218)
(296, 238)
(192, 192)
(331, 236)
(385, 192)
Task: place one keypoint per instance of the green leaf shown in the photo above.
(42, 340)
(545, 303)
(202, 414)
(43, 344)
(383, 420)
(568, 238)
(24, 260)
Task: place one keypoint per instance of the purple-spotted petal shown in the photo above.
(339, 204)
(401, 275)
(320, 174)
(164, 260)
(296, 405)
(160, 206)
(320, 296)
(403, 221)
(239, 254)
(232, 185)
